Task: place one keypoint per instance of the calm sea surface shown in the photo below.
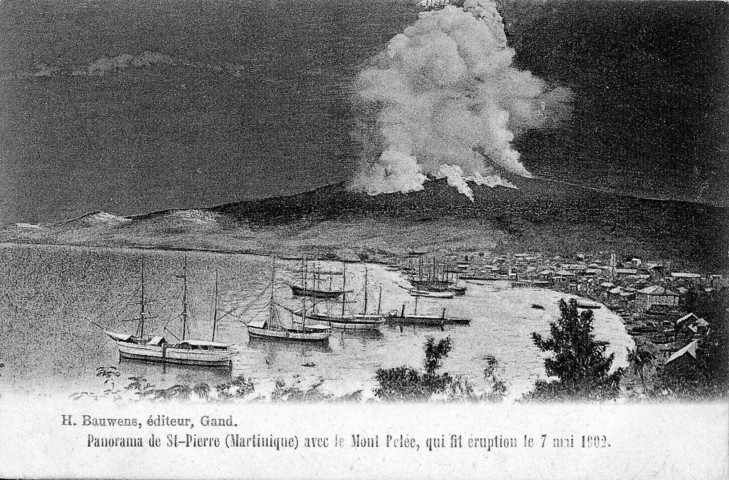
(50, 298)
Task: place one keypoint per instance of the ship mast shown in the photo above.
(184, 300)
(142, 313)
(304, 274)
(365, 292)
(215, 306)
(271, 307)
(379, 302)
(344, 286)
(303, 313)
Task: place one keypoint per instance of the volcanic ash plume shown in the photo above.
(443, 99)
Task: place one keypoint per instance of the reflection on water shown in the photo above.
(403, 327)
(271, 347)
(184, 374)
(357, 339)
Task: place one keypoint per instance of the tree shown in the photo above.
(498, 386)
(640, 358)
(202, 390)
(434, 355)
(578, 361)
(406, 383)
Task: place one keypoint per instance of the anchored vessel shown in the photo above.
(142, 346)
(416, 318)
(343, 320)
(272, 327)
(430, 294)
(315, 289)
(435, 282)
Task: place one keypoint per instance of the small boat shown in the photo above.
(427, 293)
(537, 306)
(142, 346)
(588, 304)
(272, 327)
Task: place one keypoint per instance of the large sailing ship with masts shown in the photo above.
(435, 280)
(273, 328)
(314, 288)
(337, 316)
(145, 347)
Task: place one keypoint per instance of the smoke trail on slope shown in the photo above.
(444, 99)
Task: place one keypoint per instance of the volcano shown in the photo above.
(551, 217)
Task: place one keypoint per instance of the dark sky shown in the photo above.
(651, 109)
(649, 83)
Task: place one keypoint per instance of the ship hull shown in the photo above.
(156, 354)
(426, 320)
(310, 292)
(289, 335)
(357, 322)
(430, 294)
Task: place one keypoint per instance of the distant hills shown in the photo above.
(695, 232)
(554, 218)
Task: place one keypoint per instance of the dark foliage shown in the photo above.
(435, 353)
(408, 384)
(578, 361)
(282, 393)
(498, 386)
(239, 387)
(642, 358)
(707, 375)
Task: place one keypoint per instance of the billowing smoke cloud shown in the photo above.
(444, 99)
(109, 65)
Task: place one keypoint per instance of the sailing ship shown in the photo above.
(344, 321)
(314, 290)
(416, 318)
(437, 280)
(144, 347)
(271, 327)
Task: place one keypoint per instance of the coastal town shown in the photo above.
(655, 301)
